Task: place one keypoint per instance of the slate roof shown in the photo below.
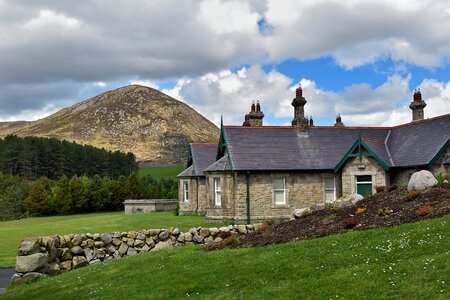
(281, 148)
(203, 155)
(222, 164)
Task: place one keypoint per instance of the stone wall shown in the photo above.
(43, 256)
(439, 167)
(372, 167)
(303, 189)
(197, 196)
(140, 206)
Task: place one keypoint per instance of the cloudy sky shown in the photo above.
(361, 59)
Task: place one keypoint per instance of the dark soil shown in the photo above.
(381, 210)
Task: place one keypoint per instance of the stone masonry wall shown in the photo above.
(438, 167)
(372, 167)
(303, 189)
(190, 207)
(52, 255)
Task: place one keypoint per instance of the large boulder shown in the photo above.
(29, 246)
(421, 180)
(168, 244)
(348, 200)
(31, 262)
(300, 212)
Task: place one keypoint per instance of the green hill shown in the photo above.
(405, 262)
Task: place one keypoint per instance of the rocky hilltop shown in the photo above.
(154, 126)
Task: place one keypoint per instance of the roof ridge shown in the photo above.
(257, 127)
(366, 139)
(204, 143)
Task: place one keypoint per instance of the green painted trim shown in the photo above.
(223, 145)
(247, 179)
(349, 154)
(190, 156)
(439, 153)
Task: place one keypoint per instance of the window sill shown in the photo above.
(280, 206)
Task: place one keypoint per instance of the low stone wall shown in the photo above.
(43, 256)
(149, 205)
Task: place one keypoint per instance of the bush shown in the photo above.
(176, 210)
(330, 208)
(349, 223)
(424, 211)
(38, 199)
(412, 195)
(360, 210)
(384, 211)
(442, 177)
(392, 187)
(11, 201)
(380, 188)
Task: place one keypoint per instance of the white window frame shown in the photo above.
(325, 189)
(279, 190)
(186, 191)
(217, 182)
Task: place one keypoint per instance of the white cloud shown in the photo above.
(147, 83)
(50, 18)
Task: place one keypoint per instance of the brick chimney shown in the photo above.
(299, 111)
(311, 121)
(255, 117)
(417, 106)
(339, 121)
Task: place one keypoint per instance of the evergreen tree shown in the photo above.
(38, 199)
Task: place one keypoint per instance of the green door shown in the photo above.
(364, 185)
(364, 189)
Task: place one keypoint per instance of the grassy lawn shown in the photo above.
(162, 172)
(406, 262)
(11, 232)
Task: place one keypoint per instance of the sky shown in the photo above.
(360, 59)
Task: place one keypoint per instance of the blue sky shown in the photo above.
(361, 59)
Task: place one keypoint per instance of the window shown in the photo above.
(186, 191)
(279, 191)
(364, 185)
(330, 189)
(217, 192)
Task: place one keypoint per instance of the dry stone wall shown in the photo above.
(52, 255)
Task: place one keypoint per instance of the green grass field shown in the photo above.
(11, 232)
(162, 172)
(406, 262)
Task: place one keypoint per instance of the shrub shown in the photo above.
(392, 187)
(384, 211)
(412, 195)
(330, 208)
(360, 210)
(380, 188)
(176, 210)
(329, 219)
(424, 211)
(349, 223)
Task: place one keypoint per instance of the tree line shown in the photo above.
(77, 194)
(34, 157)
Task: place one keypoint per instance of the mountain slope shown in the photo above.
(155, 127)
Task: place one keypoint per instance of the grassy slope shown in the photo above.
(11, 232)
(162, 172)
(405, 262)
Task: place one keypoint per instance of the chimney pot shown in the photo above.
(299, 92)
(253, 109)
(311, 121)
(258, 106)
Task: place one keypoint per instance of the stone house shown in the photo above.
(261, 172)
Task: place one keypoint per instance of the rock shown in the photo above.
(164, 235)
(90, 243)
(257, 227)
(204, 232)
(145, 249)
(110, 249)
(99, 253)
(116, 242)
(131, 251)
(88, 253)
(209, 241)
(154, 232)
(224, 229)
(348, 200)
(29, 246)
(176, 232)
(116, 255)
(162, 246)
(77, 250)
(249, 227)
(300, 212)
(99, 244)
(193, 231)
(65, 254)
(106, 238)
(214, 231)
(89, 236)
(421, 180)
(139, 243)
(94, 261)
(140, 236)
(97, 237)
(68, 241)
(16, 279)
(146, 232)
(123, 249)
(198, 239)
(445, 181)
(218, 240)
(131, 235)
(76, 240)
(130, 242)
(242, 229)
(52, 268)
(149, 241)
(30, 262)
(79, 261)
(66, 265)
(188, 237)
(124, 234)
(180, 238)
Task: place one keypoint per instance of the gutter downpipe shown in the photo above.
(247, 177)
(196, 209)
